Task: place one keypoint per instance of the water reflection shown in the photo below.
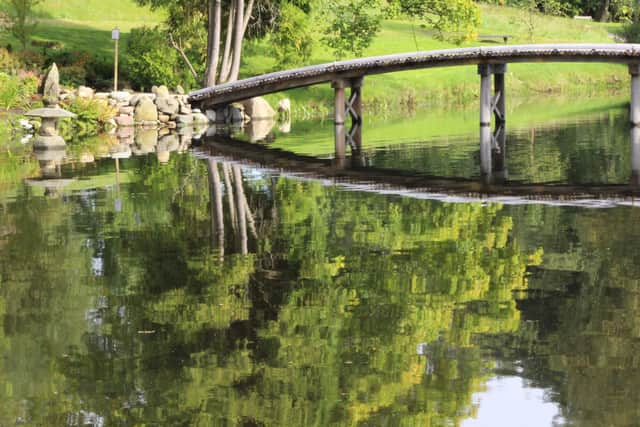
(187, 291)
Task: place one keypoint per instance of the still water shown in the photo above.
(198, 292)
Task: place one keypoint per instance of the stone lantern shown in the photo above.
(48, 137)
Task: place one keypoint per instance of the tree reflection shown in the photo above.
(216, 295)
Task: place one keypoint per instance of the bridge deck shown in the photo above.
(315, 74)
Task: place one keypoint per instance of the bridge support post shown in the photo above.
(484, 70)
(634, 112)
(499, 152)
(354, 106)
(492, 144)
(339, 117)
(635, 155)
(499, 108)
(486, 161)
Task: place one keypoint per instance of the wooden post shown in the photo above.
(115, 35)
(634, 112)
(339, 116)
(485, 94)
(498, 81)
(115, 69)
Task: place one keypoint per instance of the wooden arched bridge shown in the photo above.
(491, 61)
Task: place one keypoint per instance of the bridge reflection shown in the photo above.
(356, 170)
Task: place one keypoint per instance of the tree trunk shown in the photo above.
(226, 56)
(213, 42)
(603, 11)
(238, 36)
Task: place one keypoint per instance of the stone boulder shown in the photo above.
(126, 110)
(138, 96)
(146, 111)
(124, 120)
(85, 92)
(167, 105)
(51, 86)
(120, 96)
(200, 118)
(258, 108)
(161, 91)
(184, 119)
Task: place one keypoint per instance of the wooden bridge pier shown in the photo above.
(635, 155)
(352, 106)
(492, 144)
(634, 111)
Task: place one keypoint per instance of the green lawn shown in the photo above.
(461, 83)
(86, 25)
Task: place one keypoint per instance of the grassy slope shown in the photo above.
(460, 83)
(87, 24)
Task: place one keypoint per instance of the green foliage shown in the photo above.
(152, 61)
(352, 25)
(293, 39)
(16, 91)
(91, 110)
(631, 32)
(21, 15)
(8, 62)
(453, 20)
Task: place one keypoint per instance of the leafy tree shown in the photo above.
(293, 40)
(150, 59)
(455, 20)
(21, 15)
(352, 25)
(185, 20)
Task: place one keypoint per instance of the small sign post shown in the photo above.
(115, 35)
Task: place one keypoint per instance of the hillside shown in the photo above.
(86, 24)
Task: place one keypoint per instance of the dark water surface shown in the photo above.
(125, 300)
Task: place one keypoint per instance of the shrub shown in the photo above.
(453, 20)
(81, 68)
(352, 25)
(92, 114)
(631, 32)
(293, 40)
(32, 59)
(8, 62)
(16, 91)
(151, 61)
(91, 110)
(73, 75)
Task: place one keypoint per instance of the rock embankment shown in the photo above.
(161, 108)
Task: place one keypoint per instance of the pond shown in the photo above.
(192, 290)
